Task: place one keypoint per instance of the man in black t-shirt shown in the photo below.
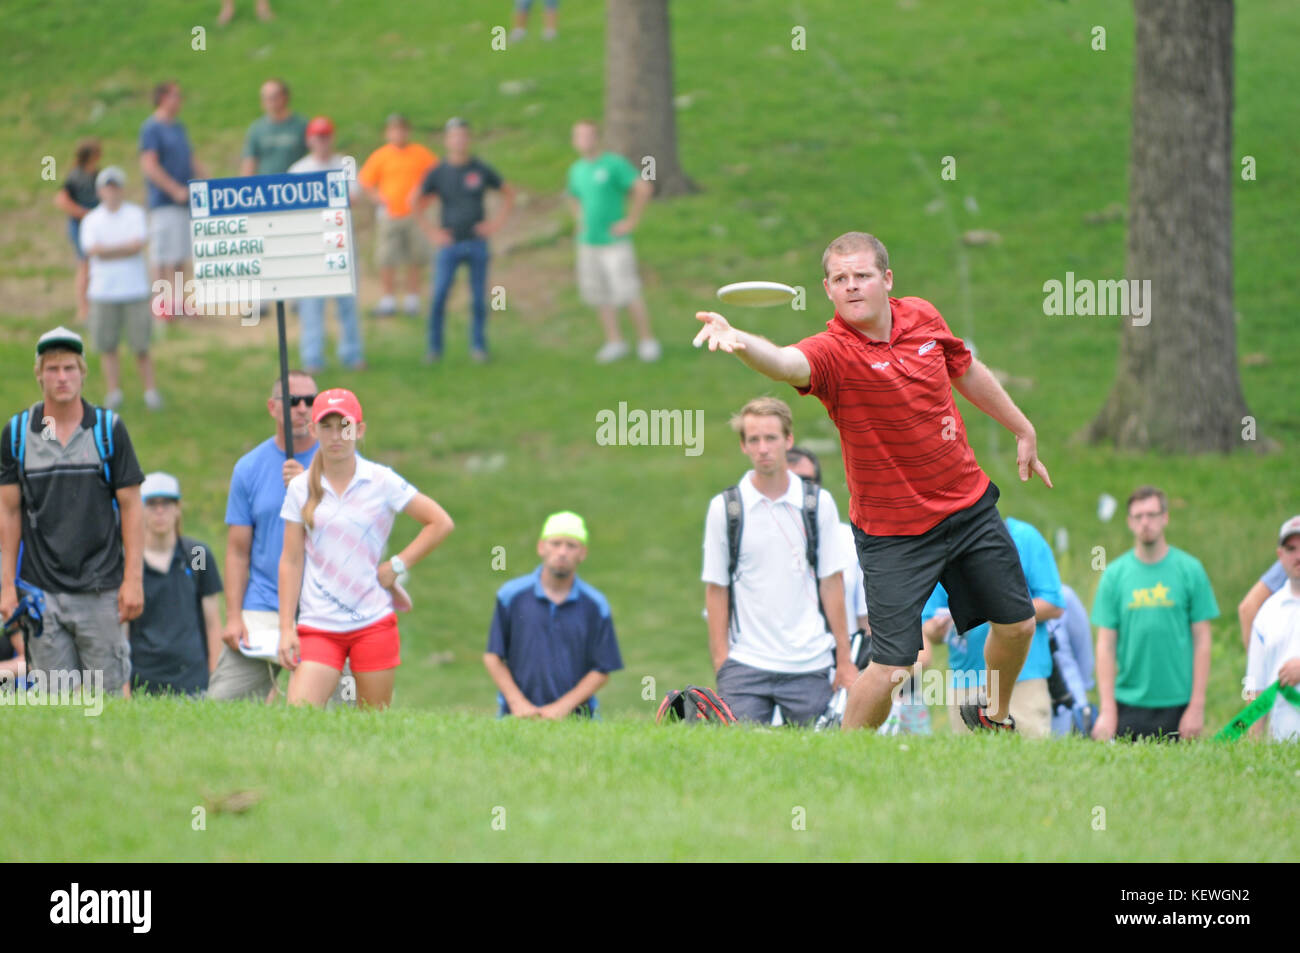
(460, 182)
(74, 503)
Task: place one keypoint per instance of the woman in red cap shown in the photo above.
(338, 515)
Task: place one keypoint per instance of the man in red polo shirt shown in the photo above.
(922, 509)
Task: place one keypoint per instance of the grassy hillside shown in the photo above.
(790, 148)
(424, 785)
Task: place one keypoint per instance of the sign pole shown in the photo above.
(285, 403)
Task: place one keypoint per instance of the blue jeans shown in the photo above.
(473, 251)
(311, 346)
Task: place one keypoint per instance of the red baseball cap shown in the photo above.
(320, 126)
(336, 400)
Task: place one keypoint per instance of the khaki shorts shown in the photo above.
(169, 235)
(400, 242)
(108, 319)
(1031, 707)
(240, 678)
(607, 275)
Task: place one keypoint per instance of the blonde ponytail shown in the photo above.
(315, 489)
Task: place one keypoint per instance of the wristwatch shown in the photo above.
(399, 567)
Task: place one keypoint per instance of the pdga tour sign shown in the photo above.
(271, 237)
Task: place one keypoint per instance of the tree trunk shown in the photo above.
(640, 121)
(1177, 387)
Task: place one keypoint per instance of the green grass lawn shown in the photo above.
(790, 148)
(421, 785)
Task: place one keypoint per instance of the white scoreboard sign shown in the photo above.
(272, 237)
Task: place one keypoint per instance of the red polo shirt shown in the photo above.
(906, 455)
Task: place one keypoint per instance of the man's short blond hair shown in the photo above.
(851, 242)
(60, 352)
(764, 407)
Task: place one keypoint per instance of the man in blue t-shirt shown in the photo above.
(256, 537)
(1031, 703)
(168, 164)
(552, 645)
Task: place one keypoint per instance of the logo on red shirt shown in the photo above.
(925, 348)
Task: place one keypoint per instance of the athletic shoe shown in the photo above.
(432, 357)
(548, 34)
(153, 400)
(517, 34)
(977, 720)
(478, 355)
(411, 306)
(113, 400)
(648, 350)
(386, 308)
(612, 351)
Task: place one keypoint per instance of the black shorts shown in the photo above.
(970, 552)
(1134, 722)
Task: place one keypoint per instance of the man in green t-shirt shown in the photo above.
(277, 139)
(598, 187)
(1153, 612)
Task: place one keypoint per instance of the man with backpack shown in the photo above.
(774, 593)
(70, 495)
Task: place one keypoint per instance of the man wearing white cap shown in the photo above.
(552, 645)
(70, 496)
(1275, 638)
(176, 640)
(113, 236)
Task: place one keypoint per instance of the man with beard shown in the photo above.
(552, 645)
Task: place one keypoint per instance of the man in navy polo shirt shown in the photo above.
(552, 645)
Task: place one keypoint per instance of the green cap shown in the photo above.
(565, 523)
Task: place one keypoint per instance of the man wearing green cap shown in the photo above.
(552, 645)
(70, 494)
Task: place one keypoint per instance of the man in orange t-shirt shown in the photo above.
(390, 176)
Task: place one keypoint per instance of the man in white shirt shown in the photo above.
(113, 237)
(1275, 639)
(321, 157)
(775, 630)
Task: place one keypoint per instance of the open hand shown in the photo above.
(718, 333)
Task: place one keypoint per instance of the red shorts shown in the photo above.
(372, 649)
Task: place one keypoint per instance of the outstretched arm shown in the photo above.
(786, 364)
(981, 388)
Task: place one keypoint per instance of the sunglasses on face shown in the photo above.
(296, 399)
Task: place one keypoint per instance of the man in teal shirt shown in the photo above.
(277, 139)
(1153, 612)
(598, 187)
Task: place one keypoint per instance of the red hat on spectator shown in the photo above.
(320, 126)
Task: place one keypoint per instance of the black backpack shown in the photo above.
(735, 515)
